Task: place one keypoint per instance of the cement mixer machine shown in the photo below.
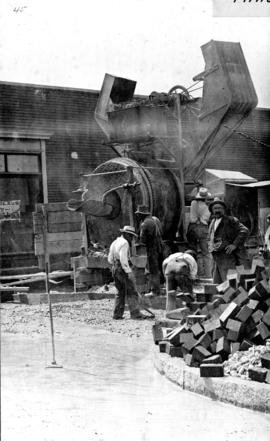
(161, 143)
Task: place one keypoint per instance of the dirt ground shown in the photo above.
(32, 319)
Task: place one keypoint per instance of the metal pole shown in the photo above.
(47, 283)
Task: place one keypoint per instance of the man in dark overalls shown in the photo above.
(119, 258)
(151, 238)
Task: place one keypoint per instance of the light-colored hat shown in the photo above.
(129, 230)
(202, 193)
(142, 209)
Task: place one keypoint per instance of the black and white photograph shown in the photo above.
(135, 220)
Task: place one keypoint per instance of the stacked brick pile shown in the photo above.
(234, 319)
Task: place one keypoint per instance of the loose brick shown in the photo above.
(218, 301)
(210, 288)
(257, 374)
(200, 353)
(214, 359)
(173, 337)
(267, 302)
(211, 370)
(193, 318)
(256, 337)
(223, 286)
(213, 347)
(266, 318)
(244, 313)
(176, 351)
(234, 325)
(234, 347)
(253, 304)
(190, 343)
(188, 359)
(218, 333)
(163, 346)
(185, 336)
(267, 378)
(230, 312)
(263, 330)
(157, 333)
(241, 296)
(197, 330)
(233, 335)
(245, 345)
(263, 288)
(233, 278)
(257, 315)
(249, 283)
(205, 341)
(185, 297)
(223, 348)
(254, 294)
(229, 294)
(265, 360)
(211, 325)
(249, 326)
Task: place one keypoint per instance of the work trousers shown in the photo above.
(154, 268)
(198, 238)
(125, 290)
(222, 263)
(174, 281)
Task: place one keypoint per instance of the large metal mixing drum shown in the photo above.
(155, 187)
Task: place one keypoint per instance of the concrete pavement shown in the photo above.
(107, 390)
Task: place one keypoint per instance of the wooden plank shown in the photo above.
(65, 228)
(63, 217)
(59, 246)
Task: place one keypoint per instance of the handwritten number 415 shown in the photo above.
(19, 8)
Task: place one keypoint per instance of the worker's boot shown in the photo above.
(137, 315)
(155, 286)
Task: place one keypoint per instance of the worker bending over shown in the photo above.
(119, 258)
(180, 270)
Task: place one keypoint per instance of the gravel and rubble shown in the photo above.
(31, 319)
(240, 362)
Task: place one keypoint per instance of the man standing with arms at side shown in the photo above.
(197, 234)
(151, 238)
(227, 237)
(119, 258)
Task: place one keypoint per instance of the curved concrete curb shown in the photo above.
(250, 394)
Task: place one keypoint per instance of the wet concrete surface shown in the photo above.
(107, 390)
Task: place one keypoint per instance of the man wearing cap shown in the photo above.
(151, 237)
(180, 270)
(119, 258)
(227, 237)
(197, 233)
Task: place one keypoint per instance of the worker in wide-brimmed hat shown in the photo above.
(119, 258)
(227, 237)
(150, 236)
(197, 234)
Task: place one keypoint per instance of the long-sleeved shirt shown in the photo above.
(199, 212)
(119, 250)
(174, 262)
